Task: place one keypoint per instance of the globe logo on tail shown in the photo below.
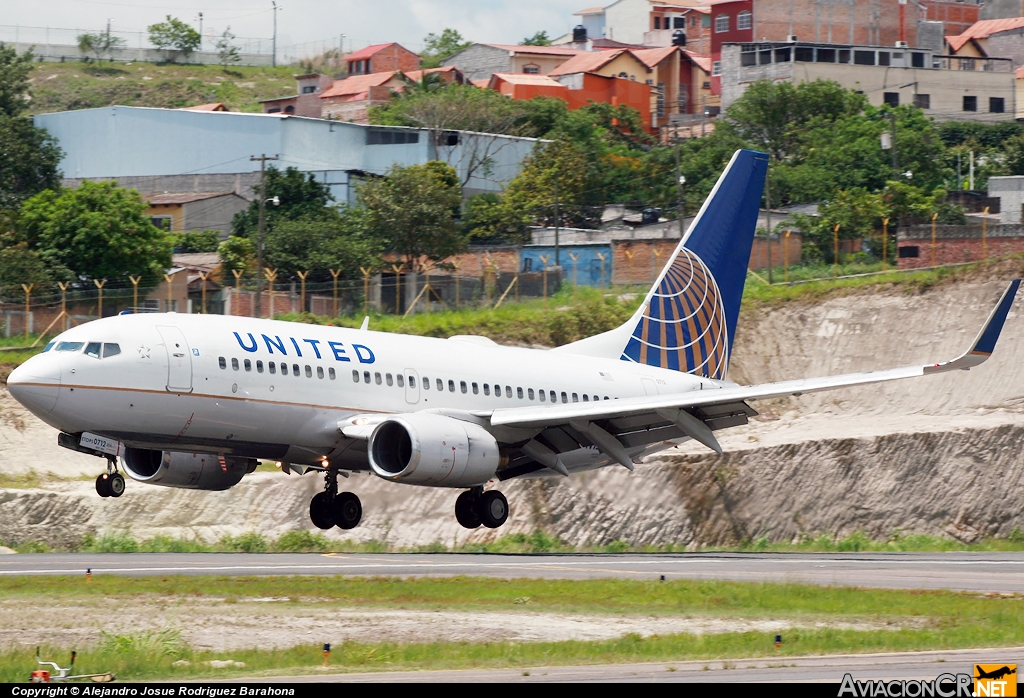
(683, 326)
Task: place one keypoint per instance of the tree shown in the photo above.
(538, 39)
(20, 265)
(1013, 158)
(439, 47)
(530, 197)
(227, 51)
(29, 157)
(413, 209)
(14, 72)
(174, 35)
(236, 253)
(337, 242)
(195, 241)
(301, 197)
(858, 213)
(98, 230)
(99, 44)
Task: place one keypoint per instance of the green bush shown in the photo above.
(246, 543)
(122, 542)
(301, 542)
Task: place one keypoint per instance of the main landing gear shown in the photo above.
(110, 483)
(476, 507)
(332, 508)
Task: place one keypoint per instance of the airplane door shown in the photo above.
(412, 386)
(179, 359)
(650, 387)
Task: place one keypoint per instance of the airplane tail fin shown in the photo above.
(688, 320)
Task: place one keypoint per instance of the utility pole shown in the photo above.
(895, 157)
(273, 58)
(558, 211)
(680, 181)
(262, 159)
(200, 31)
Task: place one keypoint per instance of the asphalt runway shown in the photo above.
(889, 667)
(981, 572)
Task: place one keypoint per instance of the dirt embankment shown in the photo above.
(940, 455)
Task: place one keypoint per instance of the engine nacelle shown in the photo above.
(429, 449)
(190, 471)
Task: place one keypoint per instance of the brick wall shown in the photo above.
(872, 22)
(394, 58)
(955, 244)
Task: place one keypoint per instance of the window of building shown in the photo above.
(844, 55)
(826, 55)
(705, 20)
(891, 98)
(804, 54)
(162, 222)
(908, 251)
(308, 89)
(319, 371)
(970, 103)
(721, 24)
(782, 55)
(331, 374)
(923, 101)
(259, 367)
(234, 364)
(996, 105)
(274, 110)
(657, 22)
(531, 69)
(290, 109)
(917, 60)
(355, 376)
(716, 69)
(748, 58)
(883, 58)
(247, 365)
(390, 379)
(862, 57)
(678, 22)
(384, 136)
(745, 20)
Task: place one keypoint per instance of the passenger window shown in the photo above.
(309, 371)
(426, 383)
(508, 391)
(597, 398)
(440, 384)
(412, 381)
(272, 367)
(222, 362)
(284, 369)
(111, 350)
(295, 370)
(554, 397)
(319, 371)
(519, 392)
(93, 349)
(390, 379)
(234, 364)
(451, 386)
(476, 388)
(487, 388)
(586, 398)
(401, 380)
(331, 374)
(575, 397)
(247, 365)
(465, 388)
(565, 398)
(259, 367)
(529, 392)
(366, 377)
(355, 376)
(541, 394)
(377, 379)
(48, 347)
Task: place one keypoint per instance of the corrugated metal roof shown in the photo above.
(984, 29)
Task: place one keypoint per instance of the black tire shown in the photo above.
(320, 511)
(347, 510)
(465, 510)
(115, 484)
(493, 509)
(103, 485)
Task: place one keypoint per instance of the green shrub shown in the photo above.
(301, 542)
(122, 542)
(246, 543)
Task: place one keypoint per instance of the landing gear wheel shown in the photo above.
(103, 485)
(347, 510)
(465, 510)
(115, 485)
(493, 508)
(320, 511)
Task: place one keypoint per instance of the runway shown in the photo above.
(888, 667)
(980, 572)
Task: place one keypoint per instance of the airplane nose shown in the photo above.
(36, 383)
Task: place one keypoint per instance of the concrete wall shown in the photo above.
(946, 87)
(1010, 192)
(627, 20)
(479, 61)
(213, 214)
(1002, 9)
(65, 52)
(1008, 44)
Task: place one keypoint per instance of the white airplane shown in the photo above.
(195, 401)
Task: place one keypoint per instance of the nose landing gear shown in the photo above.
(331, 508)
(475, 507)
(110, 483)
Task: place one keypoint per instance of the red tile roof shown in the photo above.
(653, 56)
(588, 62)
(703, 62)
(525, 79)
(214, 106)
(984, 29)
(590, 11)
(1019, 73)
(183, 198)
(543, 50)
(417, 75)
(369, 51)
(357, 84)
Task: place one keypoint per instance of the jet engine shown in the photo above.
(191, 471)
(429, 449)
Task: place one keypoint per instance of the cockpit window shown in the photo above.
(70, 346)
(93, 349)
(110, 349)
(48, 347)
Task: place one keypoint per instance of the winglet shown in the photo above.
(985, 343)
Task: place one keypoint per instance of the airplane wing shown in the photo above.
(614, 425)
